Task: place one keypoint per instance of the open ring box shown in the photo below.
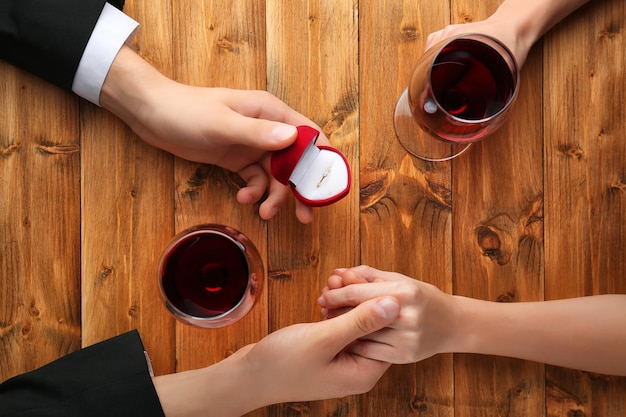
(318, 175)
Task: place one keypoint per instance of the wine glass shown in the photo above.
(461, 90)
(210, 275)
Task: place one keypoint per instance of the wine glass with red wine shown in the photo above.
(210, 275)
(461, 91)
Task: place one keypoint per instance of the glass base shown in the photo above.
(416, 141)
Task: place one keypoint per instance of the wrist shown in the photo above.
(128, 88)
(224, 389)
(496, 328)
(529, 20)
(471, 325)
(519, 29)
(526, 24)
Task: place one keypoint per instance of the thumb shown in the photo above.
(362, 320)
(266, 135)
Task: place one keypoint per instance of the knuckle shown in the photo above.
(364, 324)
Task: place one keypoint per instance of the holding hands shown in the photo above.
(423, 328)
(324, 352)
(302, 362)
(431, 321)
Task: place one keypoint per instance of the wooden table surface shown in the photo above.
(537, 211)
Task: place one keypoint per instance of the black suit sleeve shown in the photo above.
(48, 37)
(108, 379)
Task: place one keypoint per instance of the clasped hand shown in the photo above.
(424, 326)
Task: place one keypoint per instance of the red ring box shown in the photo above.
(318, 175)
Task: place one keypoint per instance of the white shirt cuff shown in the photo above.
(112, 30)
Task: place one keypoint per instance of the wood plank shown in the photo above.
(127, 201)
(405, 202)
(585, 176)
(312, 51)
(498, 239)
(39, 223)
(218, 43)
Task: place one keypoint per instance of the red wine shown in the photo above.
(205, 274)
(470, 81)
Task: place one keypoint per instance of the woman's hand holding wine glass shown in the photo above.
(460, 91)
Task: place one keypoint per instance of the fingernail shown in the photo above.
(282, 132)
(388, 308)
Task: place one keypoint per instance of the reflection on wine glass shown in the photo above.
(210, 275)
(461, 90)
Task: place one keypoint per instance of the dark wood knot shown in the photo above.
(571, 150)
(610, 31)
(9, 150)
(133, 310)
(507, 297)
(104, 273)
(492, 244)
(409, 34)
(58, 149)
(346, 107)
(199, 177)
(375, 185)
(419, 405)
(279, 275)
(226, 45)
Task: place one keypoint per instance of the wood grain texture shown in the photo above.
(39, 223)
(127, 212)
(498, 239)
(537, 211)
(218, 43)
(312, 64)
(405, 203)
(585, 173)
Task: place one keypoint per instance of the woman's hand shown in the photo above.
(516, 23)
(424, 327)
